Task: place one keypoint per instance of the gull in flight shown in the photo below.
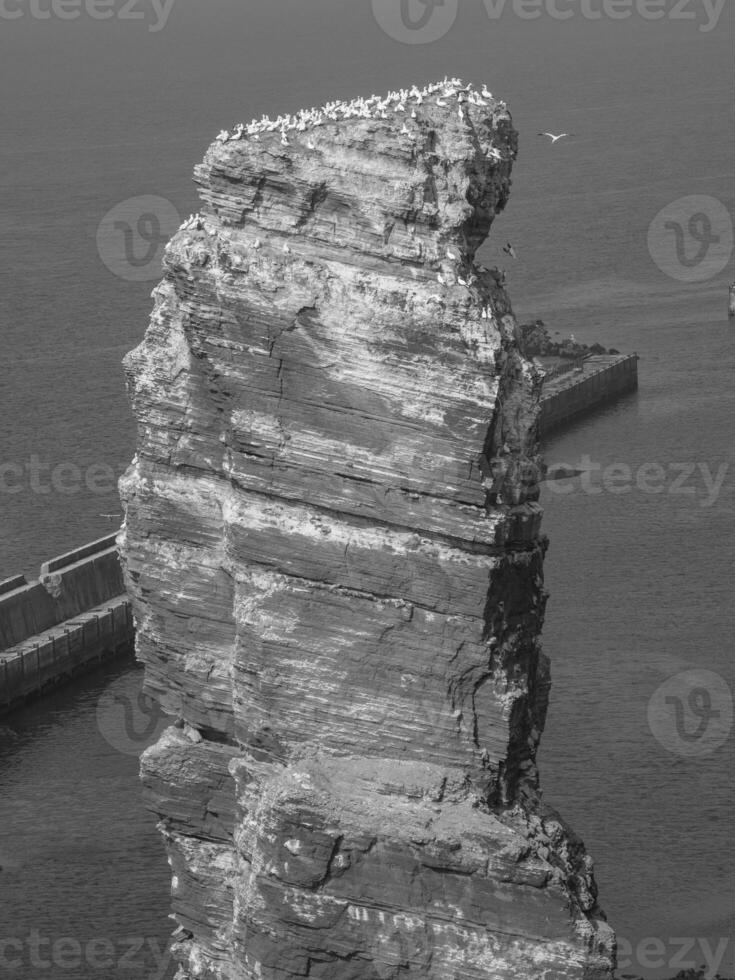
(555, 138)
(509, 250)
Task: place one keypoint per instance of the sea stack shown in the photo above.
(332, 542)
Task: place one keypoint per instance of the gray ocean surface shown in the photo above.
(99, 112)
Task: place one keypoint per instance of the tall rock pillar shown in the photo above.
(333, 546)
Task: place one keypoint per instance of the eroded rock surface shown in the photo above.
(333, 546)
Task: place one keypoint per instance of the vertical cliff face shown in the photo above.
(332, 545)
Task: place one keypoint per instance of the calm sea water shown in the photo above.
(103, 112)
(84, 883)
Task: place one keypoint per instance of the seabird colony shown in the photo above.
(403, 100)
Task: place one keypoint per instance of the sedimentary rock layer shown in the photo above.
(333, 545)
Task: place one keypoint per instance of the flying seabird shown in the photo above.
(555, 138)
(509, 250)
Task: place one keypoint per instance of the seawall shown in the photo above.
(75, 615)
(599, 379)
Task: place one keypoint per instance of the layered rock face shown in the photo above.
(333, 547)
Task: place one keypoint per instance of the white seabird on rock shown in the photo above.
(191, 733)
(374, 107)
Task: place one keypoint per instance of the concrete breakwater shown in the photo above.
(595, 380)
(75, 615)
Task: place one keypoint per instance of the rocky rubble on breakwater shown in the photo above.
(536, 341)
(332, 544)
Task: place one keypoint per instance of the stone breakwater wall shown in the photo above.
(76, 614)
(600, 378)
(333, 550)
